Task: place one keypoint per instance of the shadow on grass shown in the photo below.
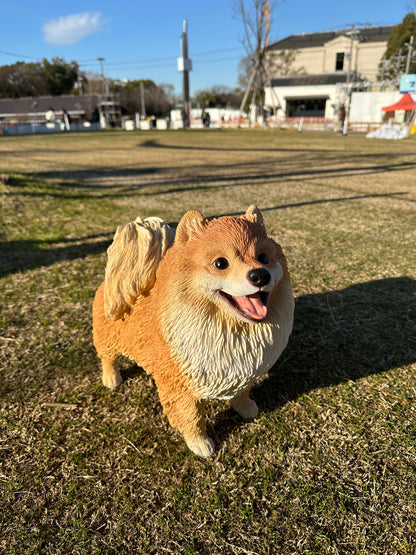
(399, 195)
(18, 256)
(153, 143)
(76, 184)
(339, 336)
(200, 180)
(23, 255)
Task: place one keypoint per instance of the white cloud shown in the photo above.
(71, 29)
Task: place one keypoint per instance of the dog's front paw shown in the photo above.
(112, 380)
(202, 445)
(247, 408)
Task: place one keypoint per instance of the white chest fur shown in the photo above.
(223, 360)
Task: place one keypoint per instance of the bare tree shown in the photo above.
(256, 18)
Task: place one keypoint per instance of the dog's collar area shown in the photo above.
(251, 307)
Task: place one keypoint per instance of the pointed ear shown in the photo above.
(254, 215)
(192, 222)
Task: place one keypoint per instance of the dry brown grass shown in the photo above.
(328, 467)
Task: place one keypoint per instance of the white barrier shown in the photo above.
(34, 128)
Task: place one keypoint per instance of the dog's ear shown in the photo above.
(133, 260)
(190, 223)
(254, 215)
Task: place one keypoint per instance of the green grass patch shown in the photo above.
(329, 464)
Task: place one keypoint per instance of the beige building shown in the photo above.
(310, 70)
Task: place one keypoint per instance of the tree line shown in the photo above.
(58, 77)
(44, 78)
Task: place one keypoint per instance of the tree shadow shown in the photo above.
(18, 256)
(399, 195)
(339, 336)
(152, 181)
(265, 148)
(23, 255)
(154, 143)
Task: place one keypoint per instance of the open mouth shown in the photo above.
(252, 307)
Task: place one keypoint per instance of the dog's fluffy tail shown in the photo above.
(133, 260)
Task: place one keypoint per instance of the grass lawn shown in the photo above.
(329, 466)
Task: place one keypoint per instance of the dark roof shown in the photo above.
(74, 104)
(317, 79)
(310, 40)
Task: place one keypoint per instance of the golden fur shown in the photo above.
(206, 313)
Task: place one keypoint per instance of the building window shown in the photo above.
(339, 63)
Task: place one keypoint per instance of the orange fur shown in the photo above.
(200, 329)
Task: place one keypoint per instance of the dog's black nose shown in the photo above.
(259, 277)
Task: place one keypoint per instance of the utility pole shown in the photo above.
(80, 88)
(384, 67)
(354, 35)
(185, 66)
(399, 60)
(103, 107)
(142, 103)
(409, 53)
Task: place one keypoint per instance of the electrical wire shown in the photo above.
(20, 55)
(136, 63)
(150, 63)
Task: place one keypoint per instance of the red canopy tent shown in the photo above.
(405, 103)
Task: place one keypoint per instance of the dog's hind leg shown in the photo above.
(244, 406)
(111, 375)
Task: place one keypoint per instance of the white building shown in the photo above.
(310, 70)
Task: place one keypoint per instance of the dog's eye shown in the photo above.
(262, 258)
(221, 263)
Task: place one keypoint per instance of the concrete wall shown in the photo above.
(331, 49)
(220, 117)
(308, 60)
(321, 59)
(369, 55)
(282, 94)
(366, 107)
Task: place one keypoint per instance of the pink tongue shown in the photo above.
(252, 306)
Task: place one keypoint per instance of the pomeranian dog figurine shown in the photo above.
(206, 312)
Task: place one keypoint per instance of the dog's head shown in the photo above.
(231, 262)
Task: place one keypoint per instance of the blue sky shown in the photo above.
(141, 39)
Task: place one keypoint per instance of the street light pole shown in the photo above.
(105, 84)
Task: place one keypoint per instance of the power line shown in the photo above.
(164, 59)
(220, 50)
(147, 65)
(128, 62)
(143, 64)
(19, 55)
(139, 62)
